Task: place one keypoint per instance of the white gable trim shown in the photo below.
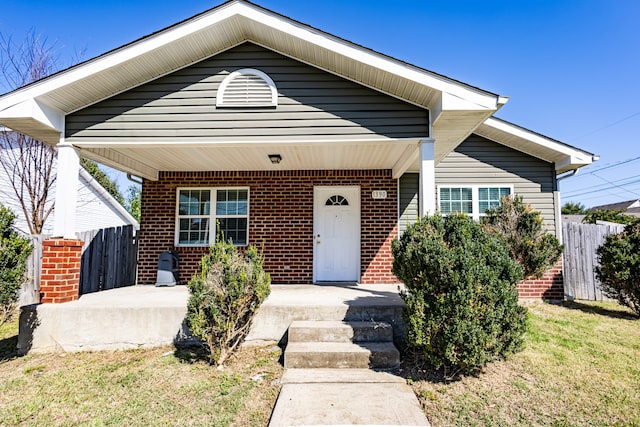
(564, 157)
(239, 11)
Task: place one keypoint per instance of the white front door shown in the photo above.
(336, 223)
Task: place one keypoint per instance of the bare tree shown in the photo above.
(27, 162)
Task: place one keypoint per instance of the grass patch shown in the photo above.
(137, 388)
(580, 367)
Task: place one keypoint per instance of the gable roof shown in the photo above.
(456, 109)
(100, 192)
(564, 156)
(633, 205)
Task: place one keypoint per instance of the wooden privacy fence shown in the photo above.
(580, 259)
(109, 260)
(30, 290)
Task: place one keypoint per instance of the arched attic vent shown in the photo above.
(247, 87)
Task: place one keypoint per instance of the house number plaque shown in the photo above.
(379, 194)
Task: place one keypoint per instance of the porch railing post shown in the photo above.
(427, 196)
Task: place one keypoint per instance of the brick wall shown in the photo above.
(60, 278)
(280, 222)
(549, 287)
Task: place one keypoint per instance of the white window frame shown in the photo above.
(475, 199)
(213, 217)
(221, 102)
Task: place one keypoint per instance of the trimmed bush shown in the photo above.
(521, 228)
(14, 251)
(609, 215)
(461, 300)
(224, 297)
(619, 267)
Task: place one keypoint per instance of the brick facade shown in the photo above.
(281, 225)
(280, 221)
(60, 279)
(549, 287)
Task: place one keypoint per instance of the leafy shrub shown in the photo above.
(609, 215)
(619, 267)
(14, 251)
(224, 297)
(461, 299)
(521, 228)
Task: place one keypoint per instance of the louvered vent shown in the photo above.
(247, 88)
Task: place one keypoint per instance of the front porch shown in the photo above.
(148, 316)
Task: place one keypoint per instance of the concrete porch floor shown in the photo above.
(147, 316)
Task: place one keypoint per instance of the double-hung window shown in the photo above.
(201, 212)
(472, 200)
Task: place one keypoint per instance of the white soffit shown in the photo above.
(248, 155)
(564, 157)
(221, 28)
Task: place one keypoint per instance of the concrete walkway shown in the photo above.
(345, 397)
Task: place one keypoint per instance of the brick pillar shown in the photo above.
(60, 279)
(549, 287)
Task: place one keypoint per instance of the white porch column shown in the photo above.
(427, 195)
(66, 191)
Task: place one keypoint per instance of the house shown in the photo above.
(95, 207)
(629, 207)
(313, 148)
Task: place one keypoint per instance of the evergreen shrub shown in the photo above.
(461, 300)
(619, 267)
(521, 227)
(14, 251)
(224, 297)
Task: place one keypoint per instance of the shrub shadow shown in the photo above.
(620, 313)
(189, 349)
(413, 367)
(192, 354)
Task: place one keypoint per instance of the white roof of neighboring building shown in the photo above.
(95, 209)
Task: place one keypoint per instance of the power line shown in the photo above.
(591, 191)
(620, 163)
(614, 184)
(598, 187)
(609, 125)
(598, 196)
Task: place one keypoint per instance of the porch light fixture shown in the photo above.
(275, 158)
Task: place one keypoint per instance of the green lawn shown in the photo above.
(581, 366)
(135, 388)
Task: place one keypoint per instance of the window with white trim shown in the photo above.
(247, 87)
(472, 200)
(201, 210)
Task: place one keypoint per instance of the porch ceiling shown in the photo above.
(147, 160)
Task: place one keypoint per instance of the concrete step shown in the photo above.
(380, 355)
(288, 303)
(337, 331)
(341, 376)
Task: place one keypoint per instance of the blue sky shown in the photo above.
(570, 67)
